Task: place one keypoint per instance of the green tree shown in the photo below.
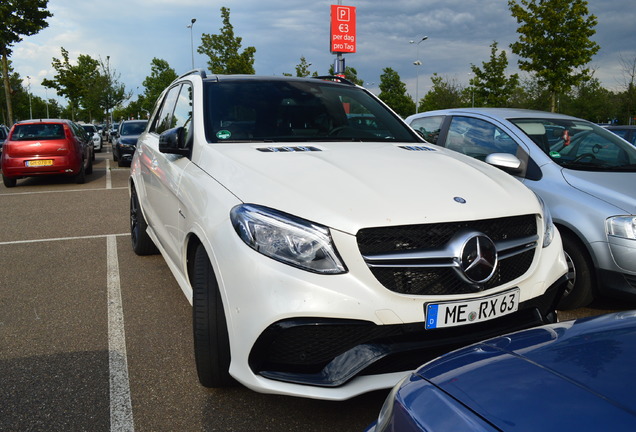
(443, 94)
(393, 93)
(491, 86)
(161, 75)
(77, 82)
(113, 92)
(554, 42)
(627, 98)
(302, 68)
(350, 74)
(19, 18)
(589, 100)
(223, 50)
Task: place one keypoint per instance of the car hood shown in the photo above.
(615, 188)
(570, 376)
(347, 186)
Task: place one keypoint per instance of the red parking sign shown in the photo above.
(343, 29)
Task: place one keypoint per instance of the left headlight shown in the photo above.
(288, 239)
(622, 226)
(548, 225)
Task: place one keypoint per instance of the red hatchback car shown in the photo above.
(46, 147)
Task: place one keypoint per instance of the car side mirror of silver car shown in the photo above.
(505, 161)
(172, 141)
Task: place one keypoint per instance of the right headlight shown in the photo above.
(622, 226)
(548, 225)
(288, 239)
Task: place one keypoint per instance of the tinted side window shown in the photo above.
(182, 115)
(164, 120)
(429, 127)
(478, 138)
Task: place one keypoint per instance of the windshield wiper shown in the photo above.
(623, 168)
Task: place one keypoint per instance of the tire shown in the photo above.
(142, 244)
(581, 283)
(89, 169)
(211, 340)
(9, 182)
(80, 177)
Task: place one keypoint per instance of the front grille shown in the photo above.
(405, 278)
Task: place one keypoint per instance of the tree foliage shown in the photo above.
(223, 50)
(350, 74)
(393, 93)
(161, 75)
(19, 18)
(87, 83)
(554, 41)
(445, 93)
(73, 81)
(491, 85)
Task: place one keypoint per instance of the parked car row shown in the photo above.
(95, 136)
(4, 133)
(46, 147)
(125, 140)
(584, 174)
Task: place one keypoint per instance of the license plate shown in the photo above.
(41, 162)
(462, 312)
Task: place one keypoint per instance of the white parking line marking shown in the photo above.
(61, 191)
(121, 415)
(61, 239)
(109, 184)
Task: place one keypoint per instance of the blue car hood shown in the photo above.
(616, 188)
(576, 375)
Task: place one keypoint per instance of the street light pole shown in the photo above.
(417, 63)
(192, 21)
(29, 92)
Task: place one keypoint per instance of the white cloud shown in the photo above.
(133, 32)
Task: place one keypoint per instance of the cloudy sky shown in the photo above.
(133, 32)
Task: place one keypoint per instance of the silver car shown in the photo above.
(584, 173)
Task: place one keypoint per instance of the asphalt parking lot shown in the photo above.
(95, 338)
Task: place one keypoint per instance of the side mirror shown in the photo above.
(505, 161)
(172, 141)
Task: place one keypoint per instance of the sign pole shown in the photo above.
(343, 34)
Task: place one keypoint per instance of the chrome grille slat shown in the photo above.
(422, 259)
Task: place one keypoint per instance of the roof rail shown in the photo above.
(200, 71)
(335, 78)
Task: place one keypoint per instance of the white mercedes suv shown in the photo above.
(325, 247)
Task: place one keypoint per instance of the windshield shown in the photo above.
(89, 128)
(579, 145)
(135, 128)
(277, 110)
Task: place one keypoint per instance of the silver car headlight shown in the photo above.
(548, 225)
(288, 239)
(622, 226)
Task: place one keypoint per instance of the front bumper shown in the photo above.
(616, 272)
(289, 351)
(125, 152)
(337, 336)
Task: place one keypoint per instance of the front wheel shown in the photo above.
(580, 287)
(211, 340)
